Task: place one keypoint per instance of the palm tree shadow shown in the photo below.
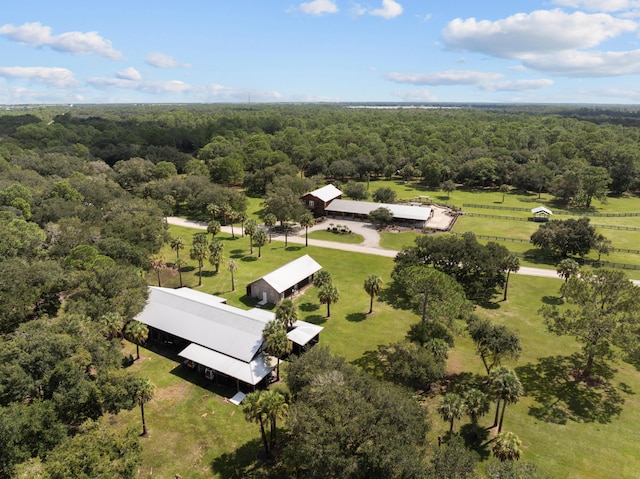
(356, 317)
(309, 307)
(242, 462)
(561, 396)
(476, 438)
(552, 300)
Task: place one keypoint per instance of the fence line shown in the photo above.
(516, 218)
(555, 211)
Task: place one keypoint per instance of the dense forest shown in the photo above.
(84, 192)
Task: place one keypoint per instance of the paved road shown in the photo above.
(370, 245)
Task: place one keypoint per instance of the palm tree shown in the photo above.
(260, 239)
(213, 210)
(242, 217)
(274, 406)
(215, 254)
(372, 285)
(137, 333)
(506, 447)
(270, 221)
(328, 294)
(177, 244)
(504, 189)
(477, 404)
(178, 264)
(145, 391)
(451, 407)
(448, 186)
(232, 216)
(306, 221)
(157, 263)
(566, 269)
(287, 313)
(213, 228)
(277, 343)
(507, 387)
(511, 264)
(254, 412)
(322, 277)
(251, 228)
(199, 252)
(232, 267)
(111, 324)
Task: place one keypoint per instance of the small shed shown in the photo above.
(541, 214)
(284, 281)
(317, 200)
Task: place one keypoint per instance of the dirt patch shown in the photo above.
(173, 393)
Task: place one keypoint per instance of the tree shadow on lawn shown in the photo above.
(476, 438)
(356, 317)
(245, 461)
(237, 253)
(249, 259)
(562, 397)
(553, 300)
(316, 319)
(459, 383)
(309, 307)
(293, 248)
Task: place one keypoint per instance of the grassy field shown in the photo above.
(569, 430)
(351, 238)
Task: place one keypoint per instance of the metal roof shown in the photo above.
(292, 273)
(251, 373)
(303, 332)
(326, 193)
(405, 212)
(541, 209)
(203, 319)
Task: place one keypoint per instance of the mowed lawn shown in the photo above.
(570, 431)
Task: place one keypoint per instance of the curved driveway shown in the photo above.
(370, 245)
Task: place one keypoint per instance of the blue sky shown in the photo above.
(555, 51)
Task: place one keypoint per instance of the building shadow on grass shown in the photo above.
(561, 396)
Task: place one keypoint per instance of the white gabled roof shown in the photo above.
(203, 319)
(292, 273)
(303, 332)
(250, 373)
(326, 193)
(541, 209)
(405, 212)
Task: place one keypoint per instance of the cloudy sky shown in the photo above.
(558, 51)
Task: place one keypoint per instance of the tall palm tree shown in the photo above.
(213, 210)
(213, 228)
(254, 412)
(199, 252)
(511, 264)
(274, 406)
(216, 258)
(177, 244)
(111, 324)
(287, 313)
(232, 216)
(306, 221)
(508, 388)
(251, 228)
(145, 391)
(477, 404)
(451, 407)
(277, 343)
(232, 267)
(270, 221)
(137, 333)
(178, 264)
(242, 217)
(328, 294)
(260, 239)
(157, 263)
(321, 278)
(506, 447)
(372, 285)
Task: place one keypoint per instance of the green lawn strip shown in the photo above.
(350, 238)
(395, 241)
(586, 448)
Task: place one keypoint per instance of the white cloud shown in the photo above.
(161, 60)
(449, 77)
(155, 87)
(415, 95)
(390, 9)
(517, 85)
(539, 32)
(53, 76)
(77, 43)
(600, 5)
(586, 64)
(24, 95)
(129, 74)
(319, 7)
(358, 9)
